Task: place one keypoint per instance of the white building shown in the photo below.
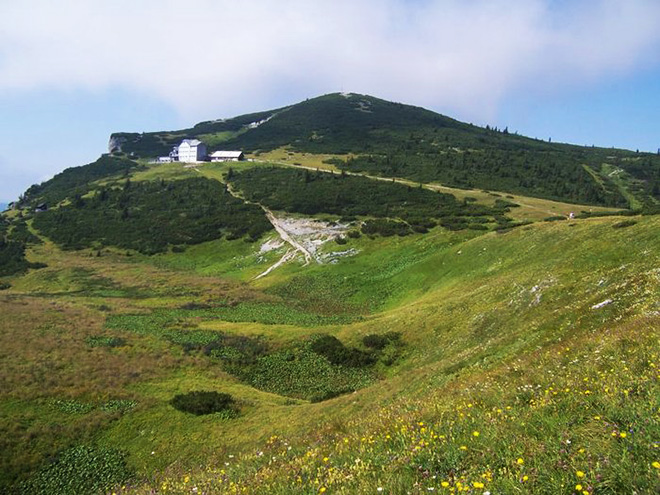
(192, 151)
(227, 156)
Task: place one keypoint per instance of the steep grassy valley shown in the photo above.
(376, 330)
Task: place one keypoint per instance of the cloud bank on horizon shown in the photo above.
(210, 58)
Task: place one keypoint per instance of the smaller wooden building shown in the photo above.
(227, 156)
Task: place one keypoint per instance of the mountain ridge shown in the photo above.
(308, 322)
(397, 140)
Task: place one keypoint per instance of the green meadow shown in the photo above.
(159, 334)
(546, 334)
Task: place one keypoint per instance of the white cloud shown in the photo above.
(210, 58)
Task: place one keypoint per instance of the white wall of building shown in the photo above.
(191, 153)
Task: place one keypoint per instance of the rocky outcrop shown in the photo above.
(115, 143)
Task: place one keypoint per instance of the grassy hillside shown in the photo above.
(318, 322)
(500, 347)
(491, 327)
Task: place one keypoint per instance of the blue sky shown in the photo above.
(72, 72)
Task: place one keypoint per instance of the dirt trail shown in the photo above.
(290, 254)
(286, 237)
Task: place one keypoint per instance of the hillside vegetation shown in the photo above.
(266, 327)
(75, 181)
(397, 140)
(150, 216)
(504, 336)
(310, 193)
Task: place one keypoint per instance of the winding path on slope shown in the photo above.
(276, 222)
(281, 231)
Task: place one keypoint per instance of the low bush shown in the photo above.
(236, 349)
(104, 341)
(205, 402)
(385, 227)
(454, 223)
(379, 342)
(624, 224)
(337, 353)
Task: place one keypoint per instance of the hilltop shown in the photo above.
(380, 300)
(393, 139)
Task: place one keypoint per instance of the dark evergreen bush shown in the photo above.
(385, 227)
(378, 341)
(205, 402)
(337, 353)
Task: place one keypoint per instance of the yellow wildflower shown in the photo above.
(520, 460)
(475, 433)
(656, 465)
(579, 474)
(578, 487)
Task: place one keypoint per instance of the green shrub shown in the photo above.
(454, 223)
(385, 227)
(205, 402)
(236, 349)
(337, 353)
(554, 218)
(378, 342)
(104, 341)
(386, 347)
(624, 224)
